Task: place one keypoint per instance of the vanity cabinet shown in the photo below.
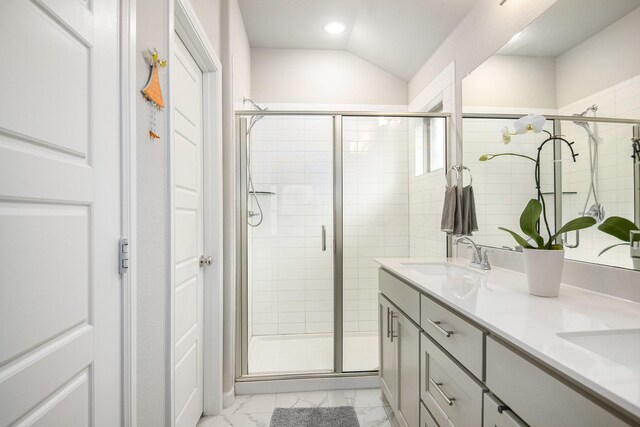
(386, 351)
(399, 362)
(438, 369)
(526, 388)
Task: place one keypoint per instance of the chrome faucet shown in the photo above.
(479, 259)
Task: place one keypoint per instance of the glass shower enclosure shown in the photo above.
(322, 194)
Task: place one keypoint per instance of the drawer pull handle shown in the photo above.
(436, 323)
(446, 398)
(502, 408)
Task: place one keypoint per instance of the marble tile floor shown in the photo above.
(255, 410)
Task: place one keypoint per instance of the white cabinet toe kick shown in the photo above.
(438, 368)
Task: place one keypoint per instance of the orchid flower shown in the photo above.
(529, 123)
(506, 136)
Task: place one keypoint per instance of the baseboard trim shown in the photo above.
(306, 384)
(228, 397)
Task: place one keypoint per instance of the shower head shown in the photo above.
(583, 123)
(252, 102)
(254, 119)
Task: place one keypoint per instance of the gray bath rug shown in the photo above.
(341, 416)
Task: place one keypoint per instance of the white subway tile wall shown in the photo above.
(376, 211)
(614, 173)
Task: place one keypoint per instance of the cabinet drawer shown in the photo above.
(460, 338)
(453, 397)
(400, 294)
(496, 417)
(507, 371)
(426, 420)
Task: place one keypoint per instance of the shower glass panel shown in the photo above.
(289, 293)
(376, 207)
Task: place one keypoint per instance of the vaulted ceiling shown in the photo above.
(396, 35)
(565, 25)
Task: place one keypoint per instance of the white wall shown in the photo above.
(236, 63)
(209, 12)
(152, 184)
(152, 206)
(485, 29)
(512, 81)
(321, 77)
(602, 61)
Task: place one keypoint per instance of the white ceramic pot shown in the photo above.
(544, 271)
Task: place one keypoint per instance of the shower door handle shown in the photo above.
(324, 238)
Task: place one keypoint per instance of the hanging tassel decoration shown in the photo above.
(152, 92)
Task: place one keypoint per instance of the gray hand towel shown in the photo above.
(451, 222)
(469, 219)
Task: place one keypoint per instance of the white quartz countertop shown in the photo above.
(498, 300)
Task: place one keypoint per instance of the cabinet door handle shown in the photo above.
(324, 237)
(436, 324)
(393, 333)
(446, 398)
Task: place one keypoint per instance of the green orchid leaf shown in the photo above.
(611, 247)
(618, 227)
(521, 240)
(573, 225)
(529, 219)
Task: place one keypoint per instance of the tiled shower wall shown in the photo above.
(615, 169)
(376, 211)
(290, 277)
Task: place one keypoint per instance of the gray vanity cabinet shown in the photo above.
(399, 349)
(439, 369)
(386, 349)
(407, 340)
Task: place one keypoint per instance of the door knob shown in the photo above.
(205, 261)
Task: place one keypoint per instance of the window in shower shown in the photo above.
(429, 145)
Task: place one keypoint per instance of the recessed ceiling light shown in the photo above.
(334, 27)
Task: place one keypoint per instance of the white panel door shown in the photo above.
(60, 309)
(189, 235)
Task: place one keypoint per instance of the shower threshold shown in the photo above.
(311, 353)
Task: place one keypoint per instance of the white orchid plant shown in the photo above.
(535, 123)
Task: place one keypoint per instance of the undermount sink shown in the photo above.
(438, 268)
(621, 345)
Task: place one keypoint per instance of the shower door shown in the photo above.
(288, 291)
(322, 196)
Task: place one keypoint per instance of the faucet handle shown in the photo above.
(484, 258)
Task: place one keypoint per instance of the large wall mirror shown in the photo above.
(577, 65)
